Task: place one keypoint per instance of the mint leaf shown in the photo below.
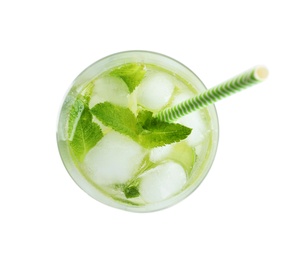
(87, 92)
(158, 133)
(83, 133)
(145, 129)
(131, 192)
(78, 107)
(131, 189)
(119, 118)
(74, 116)
(131, 74)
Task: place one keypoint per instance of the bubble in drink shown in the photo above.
(114, 146)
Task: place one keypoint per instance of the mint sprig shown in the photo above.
(158, 133)
(131, 191)
(144, 129)
(131, 73)
(119, 118)
(83, 134)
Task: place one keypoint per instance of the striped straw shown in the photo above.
(241, 81)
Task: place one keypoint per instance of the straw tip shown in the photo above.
(261, 72)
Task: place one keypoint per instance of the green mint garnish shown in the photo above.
(131, 74)
(158, 133)
(83, 134)
(131, 192)
(87, 92)
(119, 118)
(144, 129)
(77, 108)
(74, 116)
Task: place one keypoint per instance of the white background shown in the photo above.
(245, 208)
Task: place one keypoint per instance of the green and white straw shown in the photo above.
(241, 81)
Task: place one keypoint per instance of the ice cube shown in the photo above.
(110, 89)
(155, 91)
(114, 159)
(184, 95)
(194, 120)
(162, 182)
(160, 153)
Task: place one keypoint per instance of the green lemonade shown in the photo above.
(116, 149)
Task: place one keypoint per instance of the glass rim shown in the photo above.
(175, 198)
